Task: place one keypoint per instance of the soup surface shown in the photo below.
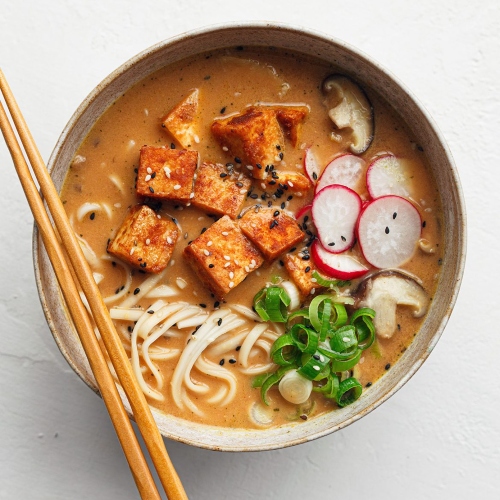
(100, 190)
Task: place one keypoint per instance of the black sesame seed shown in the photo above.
(316, 357)
(223, 174)
(153, 175)
(211, 266)
(331, 244)
(221, 362)
(203, 305)
(172, 145)
(92, 216)
(282, 263)
(303, 417)
(394, 215)
(216, 304)
(281, 156)
(278, 147)
(368, 384)
(219, 321)
(151, 190)
(306, 257)
(143, 264)
(307, 269)
(136, 291)
(223, 110)
(293, 249)
(259, 166)
(276, 213)
(238, 347)
(386, 230)
(239, 184)
(273, 224)
(424, 223)
(232, 361)
(272, 183)
(254, 196)
(237, 160)
(343, 238)
(387, 366)
(203, 230)
(282, 205)
(113, 263)
(315, 175)
(151, 311)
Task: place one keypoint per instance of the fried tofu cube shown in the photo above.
(181, 120)
(222, 257)
(219, 191)
(294, 182)
(144, 241)
(301, 273)
(291, 119)
(271, 230)
(166, 173)
(254, 136)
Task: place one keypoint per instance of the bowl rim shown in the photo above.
(325, 38)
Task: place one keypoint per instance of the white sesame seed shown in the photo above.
(225, 148)
(196, 139)
(313, 291)
(345, 339)
(167, 171)
(236, 262)
(227, 264)
(210, 243)
(321, 358)
(147, 178)
(169, 240)
(253, 262)
(132, 250)
(206, 252)
(250, 167)
(224, 233)
(177, 186)
(158, 216)
(149, 171)
(243, 191)
(247, 269)
(148, 241)
(316, 367)
(277, 158)
(314, 280)
(290, 183)
(227, 257)
(263, 185)
(231, 275)
(191, 195)
(231, 284)
(117, 205)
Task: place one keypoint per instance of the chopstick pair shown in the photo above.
(64, 271)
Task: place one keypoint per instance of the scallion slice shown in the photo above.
(349, 391)
(314, 366)
(305, 339)
(271, 304)
(362, 319)
(272, 379)
(284, 351)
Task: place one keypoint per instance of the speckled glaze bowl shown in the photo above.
(367, 72)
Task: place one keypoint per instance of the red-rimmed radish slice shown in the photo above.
(336, 265)
(311, 166)
(388, 231)
(335, 210)
(347, 170)
(386, 176)
(303, 211)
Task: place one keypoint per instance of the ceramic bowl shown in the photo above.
(365, 70)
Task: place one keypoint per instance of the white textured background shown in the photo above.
(437, 438)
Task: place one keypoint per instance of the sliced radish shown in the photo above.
(303, 211)
(340, 266)
(388, 231)
(346, 170)
(386, 176)
(335, 210)
(311, 165)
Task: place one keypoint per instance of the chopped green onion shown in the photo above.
(284, 350)
(316, 311)
(272, 379)
(344, 339)
(329, 283)
(349, 391)
(259, 380)
(314, 366)
(271, 304)
(340, 365)
(305, 338)
(362, 319)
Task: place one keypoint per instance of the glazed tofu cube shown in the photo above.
(181, 121)
(293, 182)
(144, 241)
(222, 257)
(254, 137)
(166, 173)
(219, 191)
(271, 230)
(301, 273)
(291, 118)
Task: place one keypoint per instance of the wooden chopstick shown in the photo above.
(119, 359)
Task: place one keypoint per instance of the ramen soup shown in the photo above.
(264, 230)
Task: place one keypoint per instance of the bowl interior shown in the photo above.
(367, 72)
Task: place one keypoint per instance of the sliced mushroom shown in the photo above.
(349, 107)
(384, 291)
